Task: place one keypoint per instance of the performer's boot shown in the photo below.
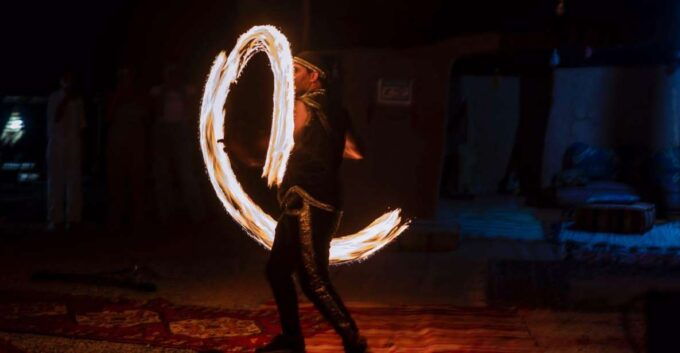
(283, 344)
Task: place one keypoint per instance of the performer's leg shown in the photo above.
(280, 267)
(316, 227)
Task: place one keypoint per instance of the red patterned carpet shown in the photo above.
(424, 329)
(8, 347)
(160, 323)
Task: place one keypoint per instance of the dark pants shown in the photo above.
(301, 246)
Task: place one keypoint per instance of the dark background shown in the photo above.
(42, 38)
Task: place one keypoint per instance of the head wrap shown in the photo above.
(312, 61)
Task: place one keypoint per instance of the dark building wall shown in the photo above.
(493, 108)
(612, 107)
(404, 144)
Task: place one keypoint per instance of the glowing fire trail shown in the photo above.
(258, 224)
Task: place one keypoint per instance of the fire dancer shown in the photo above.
(310, 199)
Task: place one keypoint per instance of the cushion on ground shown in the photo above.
(662, 240)
(597, 163)
(615, 218)
(499, 222)
(671, 203)
(596, 192)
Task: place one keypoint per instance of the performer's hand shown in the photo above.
(241, 155)
(292, 202)
(224, 145)
(352, 150)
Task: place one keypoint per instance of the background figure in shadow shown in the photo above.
(175, 147)
(126, 116)
(65, 123)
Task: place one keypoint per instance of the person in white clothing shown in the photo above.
(65, 122)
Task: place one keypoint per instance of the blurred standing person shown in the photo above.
(65, 123)
(174, 146)
(126, 117)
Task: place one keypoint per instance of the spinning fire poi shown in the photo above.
(308, 140)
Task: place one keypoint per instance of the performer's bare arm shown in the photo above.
(246, 156)
(300, 116)
(254, 156)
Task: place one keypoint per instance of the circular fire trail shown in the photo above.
(258, 224)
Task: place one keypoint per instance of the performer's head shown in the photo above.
(310, 72)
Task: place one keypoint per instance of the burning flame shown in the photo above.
(258, 224)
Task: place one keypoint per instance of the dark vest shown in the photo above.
(314, 163)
